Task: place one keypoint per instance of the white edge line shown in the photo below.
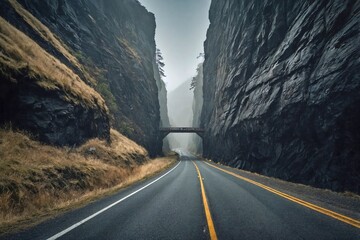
(106, 208)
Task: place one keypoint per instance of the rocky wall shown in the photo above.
(282, 89)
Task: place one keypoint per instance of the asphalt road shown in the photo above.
(171, 206)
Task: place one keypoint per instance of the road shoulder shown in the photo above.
(342, 203)
(148, 170)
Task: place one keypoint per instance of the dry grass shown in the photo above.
(21, 57)
(37, 181)
(150, 168)
(45, 33)
(129, 50)
(121, 152)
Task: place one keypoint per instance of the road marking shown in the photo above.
(314, 207)
(209, 220)
(106, 208)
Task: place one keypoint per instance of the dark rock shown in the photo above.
(91, 150)
(196, 142)
(114, 40)
(50, 118)
(281, 89)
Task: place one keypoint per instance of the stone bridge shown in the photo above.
(165, 131)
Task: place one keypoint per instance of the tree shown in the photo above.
(201, 55)
(198, 69)
(160, 63)
(195, 79)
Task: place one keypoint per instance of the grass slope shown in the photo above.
(37, 180)
(21, 57)
(45, 33)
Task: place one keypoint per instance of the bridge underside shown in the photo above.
(165, 131)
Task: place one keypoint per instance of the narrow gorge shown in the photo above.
(183, 119)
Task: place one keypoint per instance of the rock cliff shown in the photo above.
(282, 89)
(164, 117)
(41, 95)
(196, 142)
(109, 46)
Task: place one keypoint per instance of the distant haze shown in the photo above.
(180, 33)
(180, 102)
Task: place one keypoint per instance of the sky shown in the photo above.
(180, 34)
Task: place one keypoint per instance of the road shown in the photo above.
(171, 206)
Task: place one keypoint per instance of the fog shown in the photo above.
(180, 32)
(181, 27)
(180, 102)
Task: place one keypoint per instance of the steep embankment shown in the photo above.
(38, 180)
(110, 46)
(281, 89)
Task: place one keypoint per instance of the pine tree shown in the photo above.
(160, 63)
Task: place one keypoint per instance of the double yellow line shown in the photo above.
(209, 220)
(314, 207)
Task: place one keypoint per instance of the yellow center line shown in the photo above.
(209, 220)
(314, 207)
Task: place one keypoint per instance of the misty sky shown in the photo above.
(180, 33)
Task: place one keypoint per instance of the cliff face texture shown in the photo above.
(108, 46)
(39, 94)
(282, 89)
(196, 142)
(164, 117)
